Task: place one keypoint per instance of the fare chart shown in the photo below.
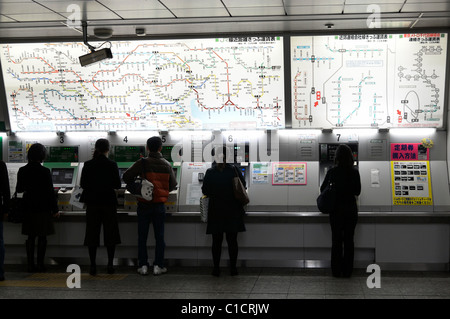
(368, 80)
(165, 84)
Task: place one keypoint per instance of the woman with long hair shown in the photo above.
(344, 218)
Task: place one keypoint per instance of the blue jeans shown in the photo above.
(155, 214)
(2, 250)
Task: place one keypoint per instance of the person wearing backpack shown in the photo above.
(159, 172)
(345, 178)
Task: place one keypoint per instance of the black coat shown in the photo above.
(225, 213)
(35, 182)
(5, 193)
(99, 178)
(348, 185)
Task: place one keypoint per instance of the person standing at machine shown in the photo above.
(35, 182)
(99, 179)
(159, 172)
(225, 213)
(5, 195)
(344, 218)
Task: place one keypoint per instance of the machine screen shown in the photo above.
(166, 152)
(62, 176)
(121, 171)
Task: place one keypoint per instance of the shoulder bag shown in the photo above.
(141, 187)
(240, 193)
(326, 201)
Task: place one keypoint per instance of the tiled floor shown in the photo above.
(197, 283)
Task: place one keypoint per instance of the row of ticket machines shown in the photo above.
(66, 173)
(289, 183)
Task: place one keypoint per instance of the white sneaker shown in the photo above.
(143, 270)
(158, 270)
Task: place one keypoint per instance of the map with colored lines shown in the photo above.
(368, 80)
(165, 84)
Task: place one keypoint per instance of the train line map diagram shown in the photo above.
(164, 84)
(368, 80)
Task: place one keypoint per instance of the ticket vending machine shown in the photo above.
(63, 164)
(64, 177)
(327, 155)
(172, 201)
(125, 157)
(125, 200)
(13, 169)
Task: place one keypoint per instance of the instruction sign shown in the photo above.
(409, 152)
(289, 173)
(411, 183)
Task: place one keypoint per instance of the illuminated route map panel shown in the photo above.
(368, 80)
(165, 84)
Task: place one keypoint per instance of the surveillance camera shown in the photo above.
(329, 25)
(95, 56)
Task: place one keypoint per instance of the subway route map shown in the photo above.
(368, 80)
(215, 83)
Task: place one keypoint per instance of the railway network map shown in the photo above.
(368, 80)
(165, 84)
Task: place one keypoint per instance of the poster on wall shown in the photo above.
(16, 152)
(409, 152)
(368, 80)
(209, 83)
(260, 173)
(411, 183)
(289, 173)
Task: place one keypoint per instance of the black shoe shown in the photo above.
(110, 270)
(216, 272)
(93, 270)
(233, 271)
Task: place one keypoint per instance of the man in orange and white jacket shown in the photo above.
(159, 172)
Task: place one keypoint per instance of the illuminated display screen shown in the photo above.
(127, 153)
(62, 176)
(121, 171)
(368, 80)
(166, 152)
(161, 84)
(62, 154)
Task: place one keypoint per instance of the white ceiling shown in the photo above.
(28, 19)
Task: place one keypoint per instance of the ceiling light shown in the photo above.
(140, 32)
(103, 33)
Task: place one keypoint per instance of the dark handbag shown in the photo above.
(240, 193)
(141, 187)
(16, 212)
(326, 201)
